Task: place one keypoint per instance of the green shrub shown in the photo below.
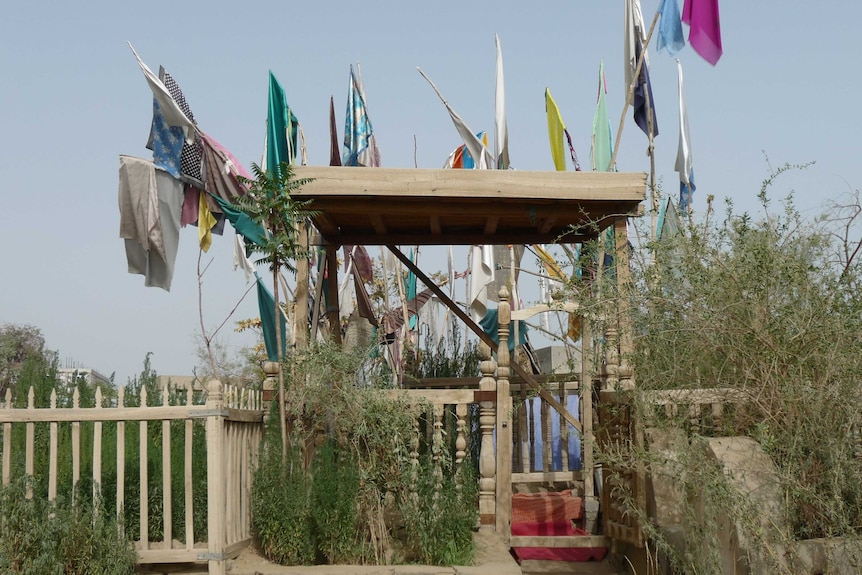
(42, 538)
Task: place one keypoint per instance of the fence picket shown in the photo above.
(121, 458)
(187, 472)
(7, 442)
(97, 451)
(167, 497)
(76, 445)
(31, 436)
(142, 464)
(52, 453)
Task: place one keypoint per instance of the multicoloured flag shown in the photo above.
(171, 112)
(501, 136)
(704, 32)
(360, 145)
(670, 28)
(602, 147)
(684, 162)
(460, 158)
(281, 128)
(478, 151)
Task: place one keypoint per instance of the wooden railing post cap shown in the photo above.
(484, 351)
(503, 293)
(271, 368)
(215, 388)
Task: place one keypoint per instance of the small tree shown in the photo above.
(268, 203)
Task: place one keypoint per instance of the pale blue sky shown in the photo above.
(74, 99)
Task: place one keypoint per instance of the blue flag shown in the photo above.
(670, 27)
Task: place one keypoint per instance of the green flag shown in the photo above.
(602, 149)
(281, 127)
(266, 306)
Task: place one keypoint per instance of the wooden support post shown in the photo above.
(332, 309)
(215, 479)
(301, 311)
(487, 417)
(504, 420)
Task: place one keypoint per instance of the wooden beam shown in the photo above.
(491, 225)
(435, 225)
(378, 224)
(485, 184)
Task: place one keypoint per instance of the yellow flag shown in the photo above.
(206, 221)
(556, 128)
(549, 264)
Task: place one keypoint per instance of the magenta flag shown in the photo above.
(704, 32)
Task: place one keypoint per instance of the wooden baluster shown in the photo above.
(547, 452)
(531, 427)
(612, 359)
(504, 419)
(121, 459)
(487, 464)
(97, 451)
(414, 455)
(437, 448)
(564, 427)
(524, 430)
(460, 439)
(52, 452)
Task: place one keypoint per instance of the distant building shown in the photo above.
(71, 375)
(179, 382)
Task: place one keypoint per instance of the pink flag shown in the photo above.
(704, 33)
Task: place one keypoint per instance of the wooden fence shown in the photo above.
(233, 423)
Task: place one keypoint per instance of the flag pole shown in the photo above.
(631, 91)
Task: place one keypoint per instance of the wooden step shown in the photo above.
(555, 541)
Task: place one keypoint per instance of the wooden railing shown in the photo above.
(704, 410)
(232, 419)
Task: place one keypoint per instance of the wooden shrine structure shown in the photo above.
(386, 206)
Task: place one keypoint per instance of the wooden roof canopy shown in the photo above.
(380, 206)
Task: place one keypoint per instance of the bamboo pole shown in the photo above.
(631, 91)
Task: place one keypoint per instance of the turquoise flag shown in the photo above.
(602, 149)
(281, 127)
(411, 290)
(266, 307)
(240, 221)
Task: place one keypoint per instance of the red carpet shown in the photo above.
(559, 527)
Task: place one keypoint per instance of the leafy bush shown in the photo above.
(340, 494)
(43, 538)
(770, 307)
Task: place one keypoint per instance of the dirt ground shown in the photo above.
(492, 558)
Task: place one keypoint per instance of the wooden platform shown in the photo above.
(378, 206)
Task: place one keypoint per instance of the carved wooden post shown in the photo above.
(437, 449)
(612, 357)
(215, 478)
(504, 418)
(487, 465)
(460, 431)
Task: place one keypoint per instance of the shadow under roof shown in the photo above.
(380, 206)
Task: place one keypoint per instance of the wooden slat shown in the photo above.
(187, 474)
(121, 457)
(440, 396)
(158, 413)
(52, 453)
(167, 495)
(7, 440)
(142, 465)
(97, 450)
(76, 444)
(30, 440)
(558, 541)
